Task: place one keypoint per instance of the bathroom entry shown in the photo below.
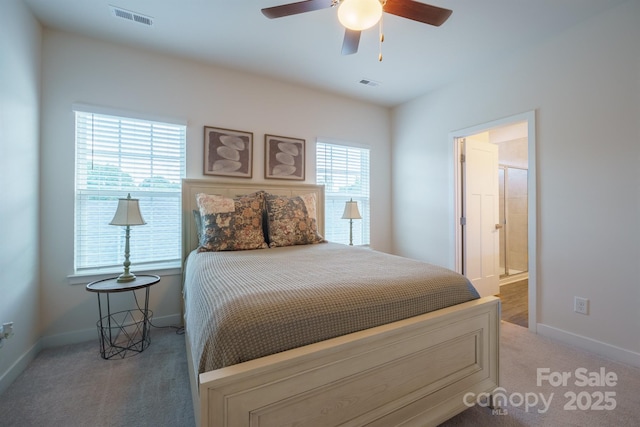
(511, 172)
(515, 173)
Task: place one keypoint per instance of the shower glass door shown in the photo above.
(514, 256)
(501, 220)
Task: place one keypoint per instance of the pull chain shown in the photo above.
(381, 33)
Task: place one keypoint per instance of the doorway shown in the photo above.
(515, 137)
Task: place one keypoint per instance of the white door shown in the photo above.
(481, 244)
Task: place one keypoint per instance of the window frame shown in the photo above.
(168, 266)
(361, 227)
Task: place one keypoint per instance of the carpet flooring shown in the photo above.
(72, 386)
(522, 354)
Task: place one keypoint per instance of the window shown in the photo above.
(344, 171)
(116, 156)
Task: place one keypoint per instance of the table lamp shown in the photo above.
(127, 214)
(351, 212)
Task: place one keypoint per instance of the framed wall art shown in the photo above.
(284, 157)
(228, 152)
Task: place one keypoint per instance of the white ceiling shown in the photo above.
(305, 48)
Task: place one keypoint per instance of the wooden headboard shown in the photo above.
(191, 187)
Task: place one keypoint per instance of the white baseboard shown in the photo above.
(85, 335)
(603, 349)
(19, 366)
(67, 338)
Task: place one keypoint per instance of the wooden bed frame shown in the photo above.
(414, 372)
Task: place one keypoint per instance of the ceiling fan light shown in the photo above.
(359, 15)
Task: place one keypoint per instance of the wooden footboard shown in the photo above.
(412, 372)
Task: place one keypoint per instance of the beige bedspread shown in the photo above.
(247, 304)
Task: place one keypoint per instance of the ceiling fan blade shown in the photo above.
(416, 11)
(351, 41)
(296, 8)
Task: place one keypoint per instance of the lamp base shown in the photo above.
(350, 232)
(126, 277)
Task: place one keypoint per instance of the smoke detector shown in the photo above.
(121, 13)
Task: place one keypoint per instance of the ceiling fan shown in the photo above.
(358, 15)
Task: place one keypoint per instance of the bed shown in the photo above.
(409, 362)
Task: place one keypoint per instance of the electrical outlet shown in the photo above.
(581, 305)
(7, 329)
(5, 332)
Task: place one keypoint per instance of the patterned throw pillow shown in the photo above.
(231, 224)
(292, 220)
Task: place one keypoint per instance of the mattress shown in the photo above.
(243, 305)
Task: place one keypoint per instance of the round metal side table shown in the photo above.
(126, 331)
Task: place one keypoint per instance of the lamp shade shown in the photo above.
(359, 15)
(351, 210)
(127, 213)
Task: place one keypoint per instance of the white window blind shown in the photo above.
(116, 156)
(344, 171)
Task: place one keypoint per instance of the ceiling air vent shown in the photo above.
(368, 82)
(118, 12)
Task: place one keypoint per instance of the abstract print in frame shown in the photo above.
(284, 157)
(228, 152)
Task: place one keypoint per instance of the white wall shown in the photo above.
(585, 88)
(79, 69)
(20, 44)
